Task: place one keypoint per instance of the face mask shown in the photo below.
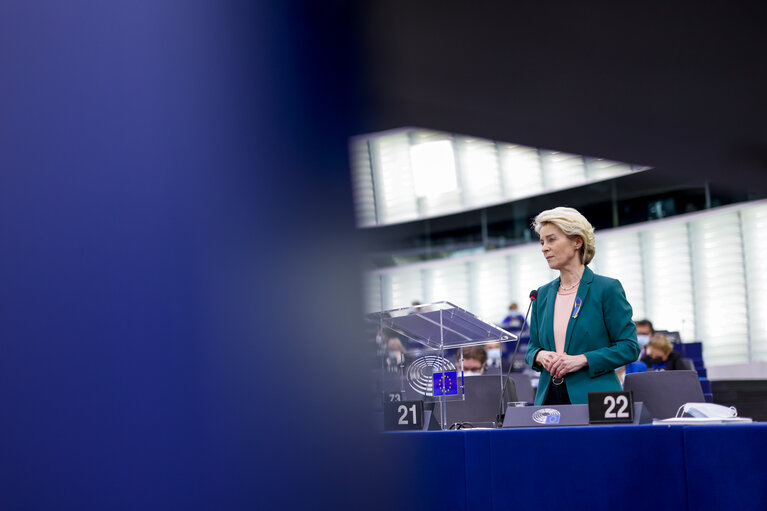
(395, 357)
(494, 354)
(707, 410)
(643, 339)
(656, 361)
(471, 373)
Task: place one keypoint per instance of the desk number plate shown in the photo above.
(611, 407)
(403, 415)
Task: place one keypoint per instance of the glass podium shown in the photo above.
(421, 351)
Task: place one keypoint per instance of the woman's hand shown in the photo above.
(565, 364)
(546, 358)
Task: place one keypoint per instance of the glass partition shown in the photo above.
(424, 351)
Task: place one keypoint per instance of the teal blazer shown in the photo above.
(601, 328)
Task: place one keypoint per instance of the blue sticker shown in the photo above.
(552, 419)
(577, 307)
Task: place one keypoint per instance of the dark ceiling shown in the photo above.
(680, 87)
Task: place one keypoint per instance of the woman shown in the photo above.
(661, 355)
(580, 328)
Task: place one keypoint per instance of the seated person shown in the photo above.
(644, 332)
(395, 359)
(493, 350)
(661, 355)
(514, 321)
(474, 359)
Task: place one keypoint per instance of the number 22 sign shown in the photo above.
(611, 407)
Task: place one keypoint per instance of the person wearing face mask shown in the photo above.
(580, 328)
(514, 320)
(474, 359)
(645, 330)
(395, 359)
(661, 355)
(494, 356)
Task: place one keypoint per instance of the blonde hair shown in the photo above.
(572, 223)
(661, 342)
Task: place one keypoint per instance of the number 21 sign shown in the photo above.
(403, 415)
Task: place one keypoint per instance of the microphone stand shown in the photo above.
(504, 385)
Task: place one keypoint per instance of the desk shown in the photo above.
(590, 468)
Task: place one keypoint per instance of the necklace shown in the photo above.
(569, 288)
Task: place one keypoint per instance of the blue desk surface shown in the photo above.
(593, 468)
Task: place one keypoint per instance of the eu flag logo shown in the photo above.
(445, 384)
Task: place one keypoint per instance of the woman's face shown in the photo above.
(559, 250)
(653, 352)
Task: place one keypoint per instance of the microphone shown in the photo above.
(533, 296)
